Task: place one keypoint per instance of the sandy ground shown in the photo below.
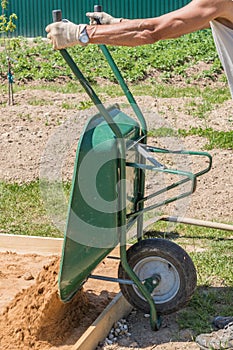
(31, 313)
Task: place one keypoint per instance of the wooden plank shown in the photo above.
(22, 244)
(100, 328)
(30, 244)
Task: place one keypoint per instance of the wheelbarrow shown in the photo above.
(107, 199)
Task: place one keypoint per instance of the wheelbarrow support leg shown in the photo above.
(155, 320)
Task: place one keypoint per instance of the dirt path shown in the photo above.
(39, 118)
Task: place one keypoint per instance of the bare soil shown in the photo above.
(33, 317)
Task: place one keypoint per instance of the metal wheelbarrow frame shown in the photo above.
(80, 256)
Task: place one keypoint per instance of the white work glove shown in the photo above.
(102, 18)
(64, 34)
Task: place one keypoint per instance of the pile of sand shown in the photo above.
(37, 319)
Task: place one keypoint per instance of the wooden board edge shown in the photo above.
(100, 328)
(23, 244)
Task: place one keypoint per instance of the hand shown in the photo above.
(64, 34)
(102, 18)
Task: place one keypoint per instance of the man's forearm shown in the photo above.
(142, 31)
(127, 33)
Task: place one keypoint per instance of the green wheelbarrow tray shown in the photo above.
(93, 215)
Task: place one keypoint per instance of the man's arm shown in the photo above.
(194, 16)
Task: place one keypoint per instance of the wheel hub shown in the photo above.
(163, 288)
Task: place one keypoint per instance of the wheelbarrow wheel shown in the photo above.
(173, 267)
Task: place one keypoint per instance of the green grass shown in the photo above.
(23, 212)
(204, 306)
(148, 88)
(162, 132)
(216, 139)
(82, 105)
(210, 98)
(39, 102)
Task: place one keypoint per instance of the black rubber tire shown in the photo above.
(172, 263)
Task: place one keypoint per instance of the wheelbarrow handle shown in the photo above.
(117, 73)
(57, 15)
(98, 8)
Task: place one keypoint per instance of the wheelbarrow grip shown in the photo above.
(57, 15)
(98, 8)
